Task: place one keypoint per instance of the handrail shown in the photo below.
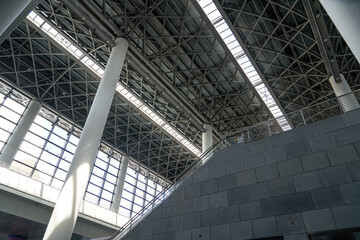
(165, 192)
(344, 103)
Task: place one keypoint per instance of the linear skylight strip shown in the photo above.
(233, 45)
(99, 70)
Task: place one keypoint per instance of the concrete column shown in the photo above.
(120, 184)
(66, 209)
(348, 102)
(207, 138)
(345, 15)
(16, 138)
(12, 13)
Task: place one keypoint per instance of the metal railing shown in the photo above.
(302, 117)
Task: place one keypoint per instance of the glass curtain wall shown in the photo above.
(48, 149)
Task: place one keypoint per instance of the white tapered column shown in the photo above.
(342, 90)
(66, 209)
(13, 144)
(345, 15)
(120, 184)
(12, 13)
(207, 138)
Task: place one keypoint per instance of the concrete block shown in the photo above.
(290, 167)
(351, 192)
(241, 230)
(219, 199)
(217, 170)
(209, 217)
(290, 224)
(220, 232)
(347, 216)
(178, 195)
(334, 175)
(192, 220)
(348, 135)
(192, 191)
(323, 142)
(229, 214)
(254, 160)
(273, 207)
(267, 173)
(168, 210)
(226, 154)
(282, 139)
(208, 187)
(226, 182)
(201, 175)
(275, 155)
(160, 226)
(357, 146)
(315, 161)
(183, 235)
(188, 181)
(305, 132)
(145, 229)
(354, 169)
(183, 207)
(342, 154)
(153, 237)
(259, 191)
(201, 203)
(282, 186)
(175, 224)
(246, 178)
(351, 118)
(296, 237)
(167, 236)
(155, 214)
(238, 195)
(318, 220)
(235, 166)
(330, 124)
(201, 233)
(250, 210)
(297, 149)
(307, 181)
(264, 227)
(298, 202)
(327, 197)
(260, 146)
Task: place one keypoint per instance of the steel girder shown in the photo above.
(284, 38)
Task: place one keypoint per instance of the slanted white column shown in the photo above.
(13, 144)
(346, 17)
(207, 138)
(120, 184)
(12, 13)
(66, 209)
(348, 102)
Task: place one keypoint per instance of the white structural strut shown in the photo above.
(207, 138)
(345, 15)
(120, 184)
(66, 209)
(12, 13)
(342, 90)
(16, 138)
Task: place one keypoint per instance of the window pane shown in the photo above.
(42, 132)
(64, 165)
(42, 177)
(96, 180)
(43, 122)
(107, 195)
(20, 168)
(108, 186)
(4, 135)
(60, 174)
(114, 162)
(111, 178)
(113, 171)
(10, 115)
(99, 172)
(25, 158)
(94, 189)
(6, 125)
(61, 132)
(45, 167)
(105, 204)
(73, 139)
(91, 198)
(125, 203)
(57, 140)
(71, 148)
(31, 149)
(32, 138)
(15, 106)
(50, 158)
(53, 149)
(57, 183)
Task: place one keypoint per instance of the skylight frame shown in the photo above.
(58, 37)
(226, 34)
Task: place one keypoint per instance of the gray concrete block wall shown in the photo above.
(298, 182)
